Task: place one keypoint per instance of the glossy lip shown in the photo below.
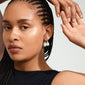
(14, 48)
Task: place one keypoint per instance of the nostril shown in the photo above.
(12, 40)
(15, 39)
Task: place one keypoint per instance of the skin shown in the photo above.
(28, 34)
(74, 31)
(65, 5)
(69, 78)
(64, 77)
(1, 38)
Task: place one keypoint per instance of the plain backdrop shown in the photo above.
(65, 55)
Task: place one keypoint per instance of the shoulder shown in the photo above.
(69, 78)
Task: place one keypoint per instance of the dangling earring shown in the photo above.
(46, 43)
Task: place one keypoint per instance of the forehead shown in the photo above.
(19, 3)
(20, 9)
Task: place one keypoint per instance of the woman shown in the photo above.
(26, 26)
(59, 6)
(28, 38)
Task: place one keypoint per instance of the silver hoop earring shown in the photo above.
(46, 43)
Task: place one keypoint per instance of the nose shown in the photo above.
(14, 35)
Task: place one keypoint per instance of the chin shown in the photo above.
(17, 58)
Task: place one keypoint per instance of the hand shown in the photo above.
(75, 31)
(69, 7)
(1, 1)
(2, 47)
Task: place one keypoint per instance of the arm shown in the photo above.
(75, 31)
(1, 39)
(68, 6)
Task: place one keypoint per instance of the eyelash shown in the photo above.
(9, 27)
(25, 27)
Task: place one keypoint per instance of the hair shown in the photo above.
(45, 13)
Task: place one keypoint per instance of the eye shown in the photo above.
(7, 27)
(24, 27)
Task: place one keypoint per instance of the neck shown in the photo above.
(37, 63)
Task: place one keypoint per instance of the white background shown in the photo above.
(65, 55)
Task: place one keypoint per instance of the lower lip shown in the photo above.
(14, 50)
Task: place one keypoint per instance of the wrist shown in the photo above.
(83, 43)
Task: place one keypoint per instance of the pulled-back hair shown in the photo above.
(45, 13)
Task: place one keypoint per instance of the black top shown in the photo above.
(32, 77)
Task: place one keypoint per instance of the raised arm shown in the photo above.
(75, 31)
(68, 6)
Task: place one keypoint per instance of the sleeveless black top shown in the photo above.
(32, 77)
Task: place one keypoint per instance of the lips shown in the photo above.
(14, 48)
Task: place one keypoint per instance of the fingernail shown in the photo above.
(69, 19)
(58, 15)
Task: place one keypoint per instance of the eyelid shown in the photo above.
(5, 24)
(25, 27)
(8, 27)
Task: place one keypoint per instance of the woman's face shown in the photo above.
(23, 28)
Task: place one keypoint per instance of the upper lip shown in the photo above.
(13, 46)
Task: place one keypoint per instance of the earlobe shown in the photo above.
(49, 32)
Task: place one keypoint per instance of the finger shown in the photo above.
(57, 9)
(73, 24)
(78, 10)
(69, 26)
(72, 9)
(65, 7)
(65, 30)
(65, 21)
(57, 6)
(78, 19)
(64, 18)
(68, 13)
(73, 13)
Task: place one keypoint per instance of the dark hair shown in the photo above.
(45, 13)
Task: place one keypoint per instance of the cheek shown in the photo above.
(34, 40)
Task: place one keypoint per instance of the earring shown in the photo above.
(46, 43)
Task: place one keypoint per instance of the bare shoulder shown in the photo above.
(69, 78)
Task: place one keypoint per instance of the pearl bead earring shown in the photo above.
(46, 43)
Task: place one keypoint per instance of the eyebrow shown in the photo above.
(23, 20)
(18, 21)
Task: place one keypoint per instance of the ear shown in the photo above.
(48, 32)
